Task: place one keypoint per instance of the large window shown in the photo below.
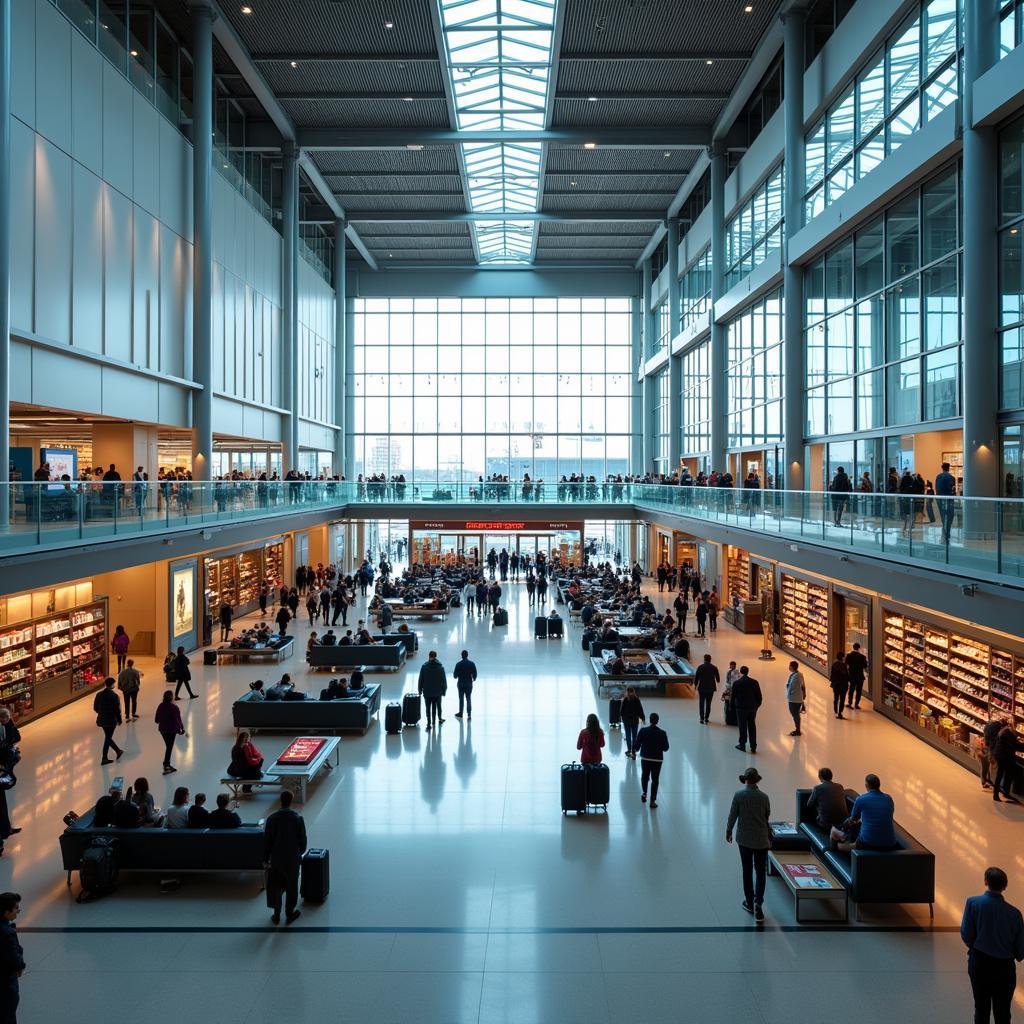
(448, 390)
(662, 329)
(755, 230)
(695, 290)
(755, 373)
(1011, 266)
(883, 318)
(1011, 25)
(660, 416)
(911, 79)
(696, 400)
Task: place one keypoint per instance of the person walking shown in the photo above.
(465, 675)
(12, 957)
(631, 712)
(945, 490)
(339, 603)
(993, 932)
(748, 820)
(702, 616)
(857, 667)
(714, 606)
(108, 717)
(469, 596)
(284, 843)
(226, 614)
(796, 694)
(542, 588)
(182, 675)
(531, 588)
(170, 726)
(282, 619)
(129, 679)
(707, 678)
(746, 699)
(264, 597)
(119, 646)
(651, 744)
(590, 741)
(839, 680)
(840, 487)
(433, 685)
(1004, 753)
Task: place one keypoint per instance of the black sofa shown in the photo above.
(162, 849)
(349, 713)
(366, 656)
(597, 646)
(411, 640)
(905, 875)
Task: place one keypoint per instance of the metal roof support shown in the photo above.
(670, 137)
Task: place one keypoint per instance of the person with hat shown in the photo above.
(748, 819)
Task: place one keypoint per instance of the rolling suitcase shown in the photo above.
(393, 718)
(599, 785)
(97, 870)
(316, 875)
(614, 712)
(412, 708)
(589, 636)
(209, 657)
(500, 617)
(730, 714)
(574, 788)
(540, 626)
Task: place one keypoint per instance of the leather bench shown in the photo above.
(904, 875)
(349, 713)
(382, 655)
(411, 640)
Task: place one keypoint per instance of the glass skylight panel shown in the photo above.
(499, 62)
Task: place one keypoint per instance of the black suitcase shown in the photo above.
(555, 628)
(393, 717)
(589, 636)
(316, 875)
(412, 708)
(98, 869)
(540, 626)
(574, 788)
(599, 785)
(209, 657)
(614, 712)
(730, 714)
(500, 617)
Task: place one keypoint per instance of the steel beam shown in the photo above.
(441, 216)
(670, 137)
(664, 56)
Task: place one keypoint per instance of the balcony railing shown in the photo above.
(972, 535)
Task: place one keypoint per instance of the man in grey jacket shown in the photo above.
(796, 694)
(748, 817)
(433, 685)
(465, 676)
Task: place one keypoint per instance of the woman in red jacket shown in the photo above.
(590, 742)
(168, 721)
(246, 760)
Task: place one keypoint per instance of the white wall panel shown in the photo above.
(23, 64)
(146, 291)
(146, 154)
(23, 186)
(173, 405)
(129, 395)
(64, 382)
(87, 261)
(175, 280)
(118, 100)
(21, 367)
(230, 282)
(53, 242)
(175, 180)
(53, 76)
(86, 103)
(218, 327)
(117, 274)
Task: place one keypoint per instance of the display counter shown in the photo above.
(746, 616)
(804, 619)
(646, 670)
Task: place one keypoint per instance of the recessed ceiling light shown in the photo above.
(590, 145)
(572, 184)
(134, 53)
(709, 62)
(246, 9)
(748, 9)
(591, 99)
(668, 153)
(389, 24)
(294, 63)
(408, 99)
(413, 146)
(1013, 231)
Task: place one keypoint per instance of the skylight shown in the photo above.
(499, 62)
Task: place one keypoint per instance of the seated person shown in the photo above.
(311, 643)
(617, 666)
(827, 801)
(363, 637)
(280, 690)
(553, 615)
(874, 810)
(103, 814)
(336, 689)
(844, 835)
(256, 691)
(127, 815)
(263, 633)
(356, 682)
(329, 639)
(346, 640)
(198, 815)
(403, 628)
(681, 648)
(246, 760)
(222, 816)
(177, 813)
(143, 799)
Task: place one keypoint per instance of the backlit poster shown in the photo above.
(182, 601)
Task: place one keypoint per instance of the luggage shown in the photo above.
(574, 788)
(412, 708)
(456, 601)
(316, 875)
(393, 718)
(500, 617)
(540, 626)
(555, 628)
(209, 657)
(589, 636)
(599, 784)
(614, 712)
(98, 869)
(730, 714)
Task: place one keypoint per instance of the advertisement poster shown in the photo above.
(182, 601)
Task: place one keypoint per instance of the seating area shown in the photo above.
(276, 650)
(347, 714)
(364, 656)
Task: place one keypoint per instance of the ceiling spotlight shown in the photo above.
(134, 53)
(389, 24)
(590, 145)
(572, 184)
(246, 9)
(591, 99)
(709, 62)
(408, 99)
(294, 63)
(748, 9)
(415, 146)
(668, 153)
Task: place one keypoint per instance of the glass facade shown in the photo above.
(905, 84)
(662, 329)
(754, 371)
(448, 389)
(883, 318)
(1011, 25)
(660, 421)
(755, 230)
(695, 290)
(696, 400)
(1011, 266)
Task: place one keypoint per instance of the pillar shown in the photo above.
(647, 384)
(636, 404)
(350, 387)
(289, 305)
(719, 335)
(5, 254)
(340, 345)
(128, 446)
(980, 263)
(202, 239)
(675, 363)
(793, 291)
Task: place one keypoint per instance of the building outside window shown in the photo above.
(662, 329)
(907, 83)
(447, 389)
(883, 318)
(660, 421)
(696, 401)
(755, 230)
(1011, 267)
(754, 372)
(695, 290)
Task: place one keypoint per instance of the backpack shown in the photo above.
(98, 870)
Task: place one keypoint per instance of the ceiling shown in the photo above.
(369, 91)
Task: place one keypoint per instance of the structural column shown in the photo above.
(793, 280)
(647, 383)
(675, 363)
(350, 387)
(636, 405)
(719, 335)
(289, 304)
(202, 239)
(980, 263)
(340, 345)
(5, 255)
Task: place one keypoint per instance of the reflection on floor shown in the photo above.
(461, 893)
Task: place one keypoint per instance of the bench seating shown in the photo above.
(235, 785)
(905, 875)
(316, 716)
(410, 639)
(162, 849)
(268, 653)
(367, 656)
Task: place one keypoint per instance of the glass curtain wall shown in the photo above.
(696, 401)
(1011, 267)
(660, 420)
(754, 371)
(695, 290)
(883, 318)
(448, 390)
(755, 230)
(1011, 25)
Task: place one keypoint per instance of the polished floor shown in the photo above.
(461, 894)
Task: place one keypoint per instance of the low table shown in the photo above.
(821, 884)
(303, 774)
(786, 836)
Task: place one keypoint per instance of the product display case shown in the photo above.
(738, 567)
(804, 621)
(274, 558)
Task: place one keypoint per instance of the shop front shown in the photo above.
(467, 541)
(234, 576)
(804, 618)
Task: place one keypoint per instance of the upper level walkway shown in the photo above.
(968, 536)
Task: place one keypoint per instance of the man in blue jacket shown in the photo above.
(465, 676)
(945, 487)
(12, 959)
(651, 742)
(433, 685)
